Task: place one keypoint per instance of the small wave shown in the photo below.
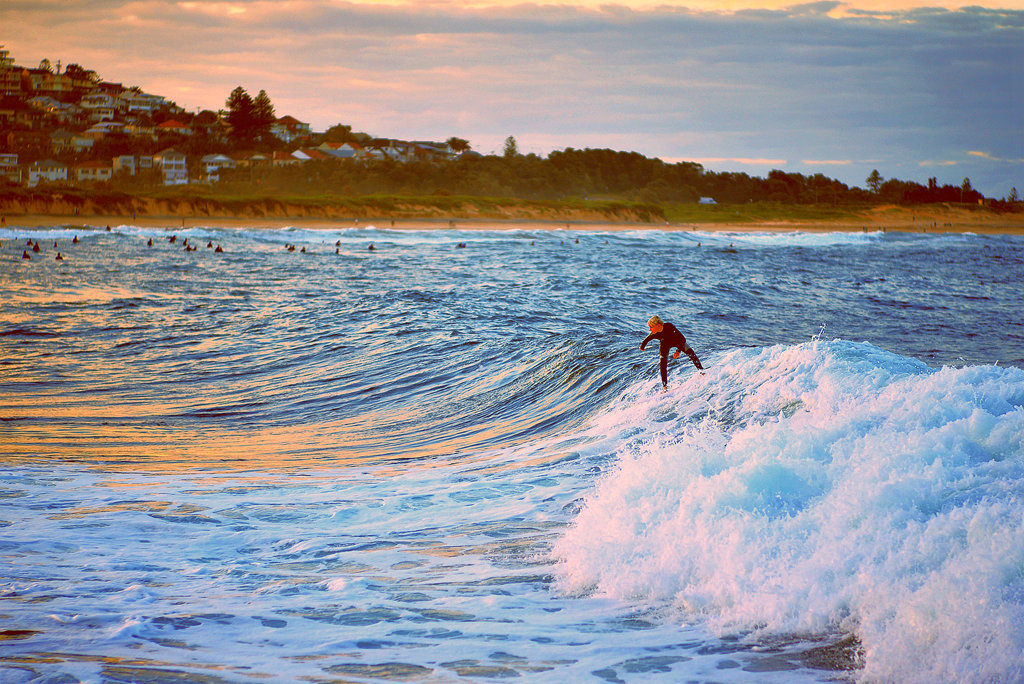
(22, 332)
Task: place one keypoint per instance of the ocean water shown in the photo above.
(436, 463)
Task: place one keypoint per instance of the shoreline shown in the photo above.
(885, 219)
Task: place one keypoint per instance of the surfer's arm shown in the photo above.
(647, 339)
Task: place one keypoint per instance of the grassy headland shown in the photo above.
(172, 206)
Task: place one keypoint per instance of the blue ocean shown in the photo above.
(446, 459)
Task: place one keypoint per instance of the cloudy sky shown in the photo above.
(913, 88)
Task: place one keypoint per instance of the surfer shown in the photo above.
(668, 336)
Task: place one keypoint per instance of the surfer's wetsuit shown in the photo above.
(668, 338)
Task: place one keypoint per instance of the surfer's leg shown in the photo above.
(693, 357)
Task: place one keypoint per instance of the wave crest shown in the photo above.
(824, 487)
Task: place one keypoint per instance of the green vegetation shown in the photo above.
(757, 212)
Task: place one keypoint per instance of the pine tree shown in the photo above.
(511, 148)
(263, 115)
(874, 181)
(241, 115)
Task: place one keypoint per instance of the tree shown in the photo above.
(338, 133)
(457, 145)
(511, 148)
(1013, 197)
(874, 181)
(965, 188)
(263, 115)
(241, 114)
(79, 74)
(206, 118)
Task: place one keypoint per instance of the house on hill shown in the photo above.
(173, 166)
(66, 141)
(346, 150)
(103, 129)
(47, 82)
(310, 153)
(130, 164)
(174, 127)
(17, 114)
(212, 165)
(46, 170)
(284, 159)
(251, 160)
(10, 74)
(10, 172)
(141, 103)
(63, 112)
(94, 171)
(395, 150)
(428, 149)
(289, 129)
(100, 107)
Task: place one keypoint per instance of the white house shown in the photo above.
(46, 170)
(213, 163)
(99, 106)
(143, 103)
(173, 166)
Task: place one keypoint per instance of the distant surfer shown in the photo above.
(668, 336)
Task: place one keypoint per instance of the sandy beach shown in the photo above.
(937, 219)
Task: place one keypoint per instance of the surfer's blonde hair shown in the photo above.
(655, 320)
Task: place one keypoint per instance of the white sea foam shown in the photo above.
(819, 488)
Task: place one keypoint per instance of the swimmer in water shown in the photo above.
(668, 336)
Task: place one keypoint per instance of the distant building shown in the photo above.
(289, 129)
(707, 200)
(346, 150)
(14, 113)
(139, 131)
(251, 160)
(175, 127)
(46, 171)
(310, 153)
(141, 103)
(94, 171)
(173, 166)
(284, 159)
(62, 112)
(433, 150)
(75, 142)
(212, 165)
(10, 172)
(10, 75)
(103, 129)
(131, 164)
